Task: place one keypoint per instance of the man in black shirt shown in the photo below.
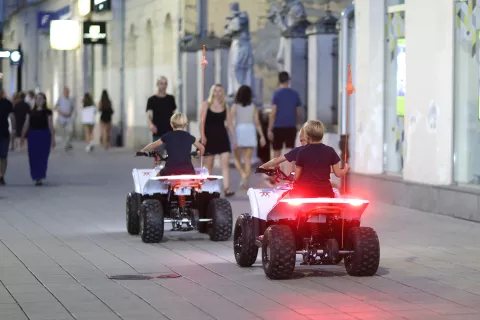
(6, 111)
(160, 108)
(21, 109)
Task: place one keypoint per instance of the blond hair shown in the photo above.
(314, 129)
(210, 95)
(179, 121)
(301, 133)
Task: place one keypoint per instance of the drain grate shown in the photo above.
(130, 277)
(143, 277)
(168, 276)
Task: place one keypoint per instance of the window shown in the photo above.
(466, 157)
(394, 147)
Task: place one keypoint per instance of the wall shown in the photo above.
(429, 92)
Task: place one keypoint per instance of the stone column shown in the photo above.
(221, 62)
(368, 77)
(429, 91)
(322, 84)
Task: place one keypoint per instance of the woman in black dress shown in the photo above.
(215, 120)
(106, 111)
(41, 138)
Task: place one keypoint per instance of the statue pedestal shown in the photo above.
(296, 64)
(323, 71)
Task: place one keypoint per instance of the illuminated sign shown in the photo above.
(64, 34)
(15, 56)
(94, 32)
(84, 7)
(101, 5)
(45, 17)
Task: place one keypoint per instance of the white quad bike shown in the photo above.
(188, 202)
(323, 230)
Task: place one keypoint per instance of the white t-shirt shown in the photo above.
(88, 115)
(65, 105)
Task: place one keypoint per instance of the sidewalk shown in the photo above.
(60, 243)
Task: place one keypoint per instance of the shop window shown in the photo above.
(395, 46)
(466, 157)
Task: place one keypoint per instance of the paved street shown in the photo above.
(59, 243)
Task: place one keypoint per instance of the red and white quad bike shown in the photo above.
(323, 230)
(187, 201)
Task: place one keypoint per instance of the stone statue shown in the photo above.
(240, 60)
(291, 18)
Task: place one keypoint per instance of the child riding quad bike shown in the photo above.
(322, 230)
(187, 201)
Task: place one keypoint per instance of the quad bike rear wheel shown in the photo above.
(203, 200)
(132, 218)
(151, 221)
(365, 259)
(220, 211)
(278, 252)
(244, 247)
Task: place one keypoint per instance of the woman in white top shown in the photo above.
(247, 125)
(88, 120)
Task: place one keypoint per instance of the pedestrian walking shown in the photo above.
(282, 125)
(160, 108)
(41, 138)
(247, 125)
(6, 114)
(30, 98)
(88, 120)
(65, 108)
(106, 111)
(215, 120)
(20, 109)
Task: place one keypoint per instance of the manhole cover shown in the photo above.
(130, 277)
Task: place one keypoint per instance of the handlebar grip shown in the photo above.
(141, 154)
(265, 171)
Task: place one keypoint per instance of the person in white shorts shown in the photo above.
(247, 126)
(65, 109)
(88, 120)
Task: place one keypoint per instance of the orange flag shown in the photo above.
(350, 88)
(204, 59)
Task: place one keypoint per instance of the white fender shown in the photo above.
(144, 184)
(262, 201)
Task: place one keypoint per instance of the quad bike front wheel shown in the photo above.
(220, 211)
(244, 246)
(132, 218)
(365, 259)
(278, 252)
(151, 221)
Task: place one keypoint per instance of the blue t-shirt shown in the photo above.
(292, 154)
(178, 144)
(287, 100)
(316, 161)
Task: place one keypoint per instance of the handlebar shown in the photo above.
(276, 172)
(158, 156)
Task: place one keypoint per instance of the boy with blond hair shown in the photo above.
(314, 163)
(290, 156)
(178, 144)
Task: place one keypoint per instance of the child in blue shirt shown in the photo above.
(314, 163)
(178, 146)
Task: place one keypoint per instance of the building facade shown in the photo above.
(141, 45)
(417, 116)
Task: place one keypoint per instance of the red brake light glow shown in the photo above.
(299, 201)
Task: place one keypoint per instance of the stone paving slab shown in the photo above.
(59, 243)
